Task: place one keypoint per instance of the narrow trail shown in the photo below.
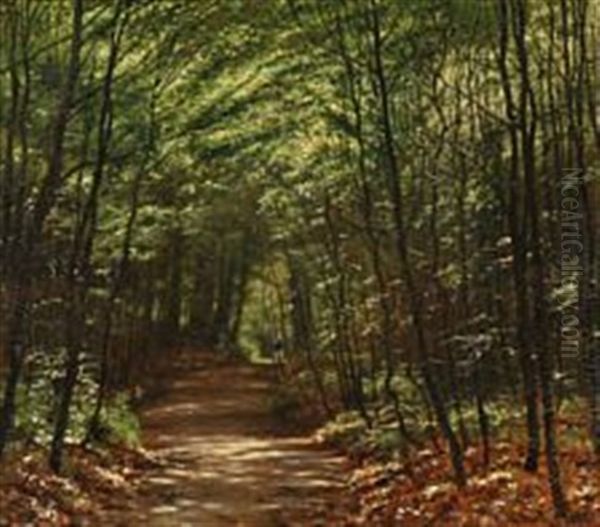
(225, 467)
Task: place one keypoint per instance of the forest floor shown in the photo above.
(223, 461)
(216, 456)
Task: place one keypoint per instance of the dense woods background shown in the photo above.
(397, 200)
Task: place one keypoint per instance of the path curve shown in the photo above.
(225, 467)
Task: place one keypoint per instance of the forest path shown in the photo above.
(225, 467)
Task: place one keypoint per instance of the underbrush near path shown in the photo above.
(94, 477)
(393, 490)
(94, 480)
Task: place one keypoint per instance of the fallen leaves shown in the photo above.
(502, 495)
(31, 494)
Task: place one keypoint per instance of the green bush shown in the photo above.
(38, 399)
(121, 422)
(345, 431)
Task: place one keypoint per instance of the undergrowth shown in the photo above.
(38, 398)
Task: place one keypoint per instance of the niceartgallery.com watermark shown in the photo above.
(571, 262)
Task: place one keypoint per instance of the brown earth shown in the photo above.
(224, 465)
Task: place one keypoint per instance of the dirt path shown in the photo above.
(224, 467)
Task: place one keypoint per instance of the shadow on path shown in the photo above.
(224, 465)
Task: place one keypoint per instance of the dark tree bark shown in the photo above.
(80, 268)
(26, 251)
(518, 234)
(414, 298)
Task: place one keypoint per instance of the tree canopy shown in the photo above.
(395, 200)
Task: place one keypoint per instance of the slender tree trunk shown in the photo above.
(414, 298)
(26, 252)
(82, 250)
(518, 234)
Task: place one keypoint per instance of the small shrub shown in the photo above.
(38, 399)
(346, 431)
(121, 422)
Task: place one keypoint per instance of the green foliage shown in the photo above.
(38, 398)
(349, 433)
(332, 174)
(346, 431)
(121, 421)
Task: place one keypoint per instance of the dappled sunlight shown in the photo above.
(223, 465)
(241, 237)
